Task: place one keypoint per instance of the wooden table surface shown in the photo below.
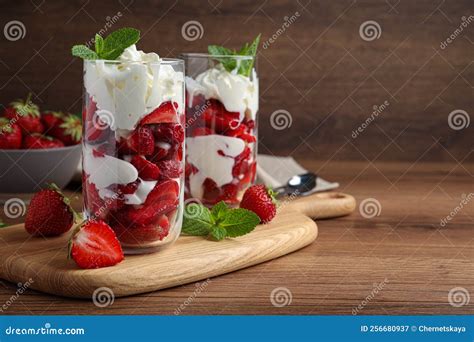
(403, 261)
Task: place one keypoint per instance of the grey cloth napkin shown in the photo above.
(276, 171)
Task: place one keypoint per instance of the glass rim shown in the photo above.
(166, 61)
(207, 55)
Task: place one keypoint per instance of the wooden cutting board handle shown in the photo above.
(321, 205)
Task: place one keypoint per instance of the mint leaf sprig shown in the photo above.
(229, 63)
(110, 47)
(219, 223)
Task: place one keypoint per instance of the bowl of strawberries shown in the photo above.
(37, 147)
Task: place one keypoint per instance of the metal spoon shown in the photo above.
(298, 185)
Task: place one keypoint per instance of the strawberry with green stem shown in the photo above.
(26, 114)
(50, 213)
(10, 135)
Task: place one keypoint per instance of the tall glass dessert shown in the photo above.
(221, 123)
(133, 147)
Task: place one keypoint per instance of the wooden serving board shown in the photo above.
(190, 259)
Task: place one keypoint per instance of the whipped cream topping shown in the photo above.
(129, 90)
(203, 153)
(107, 170)
(237, 93)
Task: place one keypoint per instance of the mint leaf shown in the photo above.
(197, 220)
(218, 211)
(218, 233)
(248, 50)
(2, 224)
(116, 42)
(218, 223)
(239, 222)
(99, 44)
(83, 52)
(229, 63)
(109, 48)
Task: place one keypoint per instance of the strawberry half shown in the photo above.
(49, 213)
(38, 141)
(95, 245)
(10, 134)
(166, 112)
(26, 114)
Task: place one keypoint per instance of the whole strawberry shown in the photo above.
(261, 201)
(38, 141)
(51, 119)
(49, 213)
(26, 114)
(10, 134)
(68, 129)
(95, 245)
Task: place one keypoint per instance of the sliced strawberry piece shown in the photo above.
(170, 168)
(166, 112)
(141, 141)
(248, 138)
(129, 188)
(146, 169)
(211, 191)
(241, 164)
(161, 200)
(190, 169)
(161, 151)
(166, 132)
(95, 245)
(143, 234)
(229, 193)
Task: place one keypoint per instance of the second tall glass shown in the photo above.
(221, 127)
